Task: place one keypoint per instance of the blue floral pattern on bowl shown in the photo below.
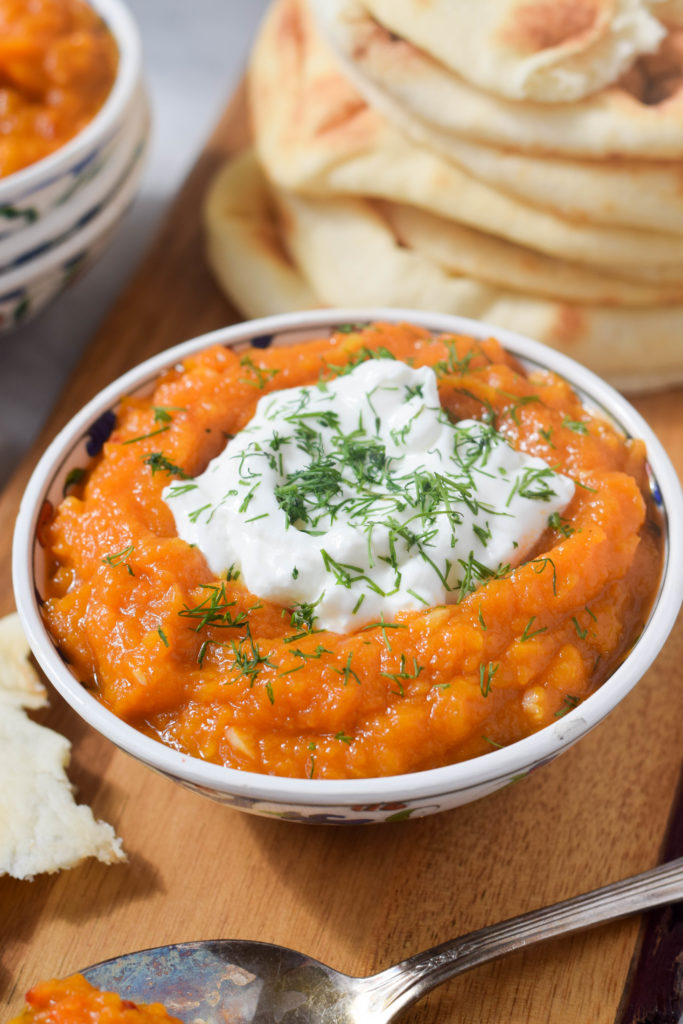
(53, 269)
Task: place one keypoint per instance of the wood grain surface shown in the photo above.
(357, 897)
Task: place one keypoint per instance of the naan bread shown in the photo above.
(624, 193)
(638, 117)
(241, 235)
(315, 134)
(345, 252)
(465, 252)
(545, 50)
(41, 828)
(19, 683)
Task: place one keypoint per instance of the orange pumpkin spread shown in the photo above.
(74, 1000)
(209, 668)
(58, 62)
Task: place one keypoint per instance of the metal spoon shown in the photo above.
(241, 982)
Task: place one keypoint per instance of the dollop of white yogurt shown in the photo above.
(355, 498)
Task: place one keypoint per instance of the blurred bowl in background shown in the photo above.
(57, 214)
(31, 193)
(86, 201)
(27, 289)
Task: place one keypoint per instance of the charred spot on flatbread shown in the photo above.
(546, 24)
(568, 327)
(658, 77)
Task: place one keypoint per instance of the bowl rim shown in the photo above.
(21, 276)
(488, 769)
(26, 180)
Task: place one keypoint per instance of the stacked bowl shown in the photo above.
(57, 214)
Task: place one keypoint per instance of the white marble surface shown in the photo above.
(195, 52)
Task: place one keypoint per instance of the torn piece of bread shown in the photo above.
(19, 684)
(42, 829)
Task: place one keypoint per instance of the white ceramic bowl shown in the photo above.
(26, 289)
(357, 800)
(32, 192)
(76, 209)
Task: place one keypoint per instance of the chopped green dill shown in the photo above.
(347, 671)
(317, 653)
(383, 627)
(202, 652)
(295, 573)
(483, 533)
(581, 633)
(143, 437)
(486, 674)
(307, 490)
(291, 671)
(176, 490)
(349, 328)
(568, 705)
(248, 658)
(519, 402)
(343, 737)
(195, 514)
(158, 462)
(214, 610)
(121, 558)
(163, 636)
(162, 413)
(261, 375)
(563, 526)
(481, 619)
(529, 633)
(534, 484)
(540, 564)
(296, 636)
(576, 425)
(476, 572)
(303, 614)
(346, 574)
(546, 435)
(74, 476)
(402, 674)
(360, 355)
(453, 365)
(492, 743)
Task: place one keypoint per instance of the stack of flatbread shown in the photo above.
(517, 161)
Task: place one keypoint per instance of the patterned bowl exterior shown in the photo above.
(35, 191)
(357, 801)
(78, 207)
(34, 283)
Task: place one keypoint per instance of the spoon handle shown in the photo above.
(402, 984)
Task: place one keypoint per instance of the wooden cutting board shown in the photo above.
(358, 898)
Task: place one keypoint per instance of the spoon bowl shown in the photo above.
(234, 981)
